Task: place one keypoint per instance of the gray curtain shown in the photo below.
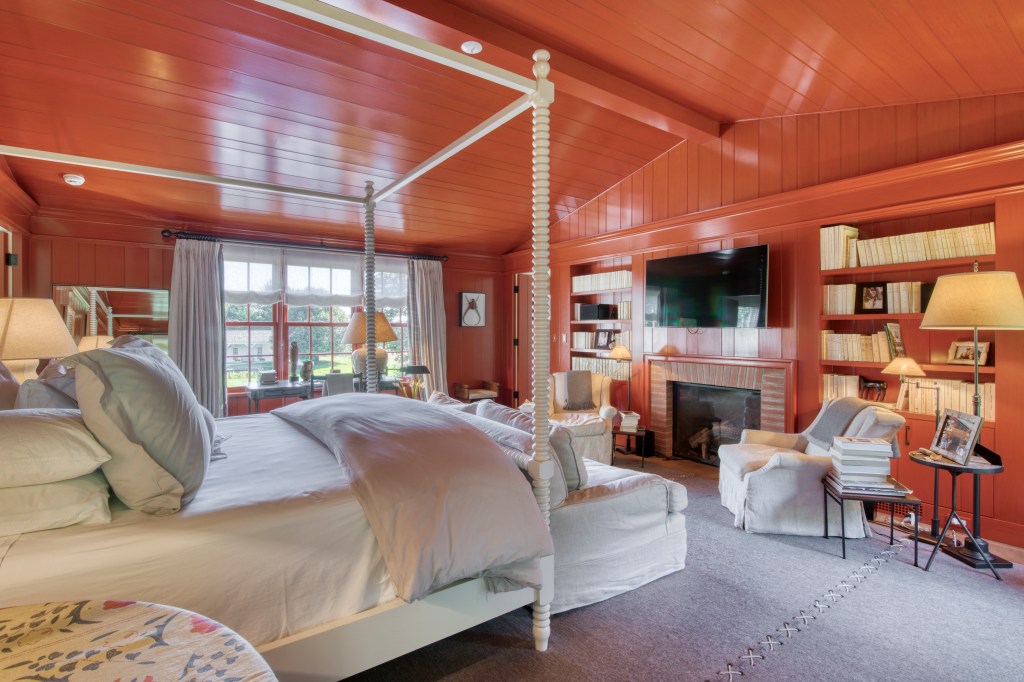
(196, 322)
(427, 322)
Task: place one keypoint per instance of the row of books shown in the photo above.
(623, 310)
(613, 368)
(841, 246)
(619, 279)
(875, 347)
(899, 297)
(955, 242)
(836, 251)
(840, 386)
(953, 394)
(603, 339)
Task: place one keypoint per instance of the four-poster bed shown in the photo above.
(352, 643)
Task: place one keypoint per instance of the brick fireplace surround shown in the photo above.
(774, 378)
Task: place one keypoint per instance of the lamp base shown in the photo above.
(359, 360)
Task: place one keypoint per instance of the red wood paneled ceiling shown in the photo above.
(236, 89)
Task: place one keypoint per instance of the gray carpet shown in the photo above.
(895, 623)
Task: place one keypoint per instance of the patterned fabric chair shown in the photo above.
(771, 482)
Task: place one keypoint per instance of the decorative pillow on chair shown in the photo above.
(30, 508)
(140, 407)
(45, 446)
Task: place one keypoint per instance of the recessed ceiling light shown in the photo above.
(472, 47)
(74, 179)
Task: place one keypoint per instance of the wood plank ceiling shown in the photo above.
(236, 89)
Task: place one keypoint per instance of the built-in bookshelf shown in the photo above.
(601, 313)
(876, 281)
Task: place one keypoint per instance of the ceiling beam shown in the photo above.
(571, 76)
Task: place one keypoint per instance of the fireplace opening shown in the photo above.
(706, 417)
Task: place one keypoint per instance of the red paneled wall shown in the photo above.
(16, 207)
(766, 157)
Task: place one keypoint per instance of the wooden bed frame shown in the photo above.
(352, 644)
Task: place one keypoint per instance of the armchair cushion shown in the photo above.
(791, 441)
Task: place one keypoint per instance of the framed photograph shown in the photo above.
(962, 353)
(957, 435)
(472, 309)
(603, 339)
(870, 299)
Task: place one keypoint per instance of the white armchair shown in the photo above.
(591, 430)
(771, 482)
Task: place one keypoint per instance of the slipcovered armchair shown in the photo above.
(590, 428)
(771, 482)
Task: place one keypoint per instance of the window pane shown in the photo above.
(320, 281)
(261, 277)
(301, 335)
(320, 338)
(236, 313)
(341, 282)
(236, 276)
(261, 313)
(319, 313)
(340, 314)
(237, 341)
(297, 279)
(343, 363)
(298, 313)
(340, 347)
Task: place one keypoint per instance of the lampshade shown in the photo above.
(905, 367)
(620, 352)
(94, 342)
(416, 369)
(968, 300)
(32, 328)
(356, 331)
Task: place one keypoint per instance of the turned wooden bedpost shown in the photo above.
(541, 467)
(369, 295)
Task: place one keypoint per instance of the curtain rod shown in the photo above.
(200, 236)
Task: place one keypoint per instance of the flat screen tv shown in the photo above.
(715, 289)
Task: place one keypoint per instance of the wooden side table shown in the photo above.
(256, 391)
(639, 442)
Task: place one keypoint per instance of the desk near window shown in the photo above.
(255, 391)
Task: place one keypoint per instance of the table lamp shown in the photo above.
(356, 334)
(621, 354)
(33, 329)
(975, 300)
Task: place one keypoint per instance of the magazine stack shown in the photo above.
(630, 422)
(861, 465)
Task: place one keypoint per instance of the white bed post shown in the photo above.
(541, 467)
(370, 374)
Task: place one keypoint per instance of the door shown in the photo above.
(522, 335)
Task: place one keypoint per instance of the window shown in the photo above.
(276, 296)
(249, 330)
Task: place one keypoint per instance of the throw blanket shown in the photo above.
(578, 391)
(444, 502)
(837, 417)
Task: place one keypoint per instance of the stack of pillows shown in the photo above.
(121, 418)
(512, 430)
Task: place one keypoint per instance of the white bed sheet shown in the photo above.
(275, 542)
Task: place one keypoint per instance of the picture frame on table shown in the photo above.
(962, 353)
(871, 299)
(956, 436)
(472, 309)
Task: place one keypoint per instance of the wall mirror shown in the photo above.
(94, 313)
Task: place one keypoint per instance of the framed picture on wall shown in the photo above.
(472, 309)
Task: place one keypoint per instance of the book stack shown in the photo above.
(630, 421)
(861, 465)
(956, 242)
(838, 247)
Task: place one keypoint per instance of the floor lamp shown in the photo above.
(976, 300)
(621, 354)
(907, 367)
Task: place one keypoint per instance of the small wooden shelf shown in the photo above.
(602, 291)
(615, 321)
(914, 265)
(871, 316)
(944, 369)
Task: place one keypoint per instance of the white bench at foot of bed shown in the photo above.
(350, 645)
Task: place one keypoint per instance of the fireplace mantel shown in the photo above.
(774, 378)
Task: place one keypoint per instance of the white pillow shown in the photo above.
(573, 468)
(54, 505)
(443, 400)
(140, 407)
(44, 446)
(8, 388)
(54, 388)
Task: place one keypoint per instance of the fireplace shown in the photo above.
(773, 379)
(705, 417)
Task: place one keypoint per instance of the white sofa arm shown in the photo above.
(607, 412)
(790, 441)
(815, 466)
